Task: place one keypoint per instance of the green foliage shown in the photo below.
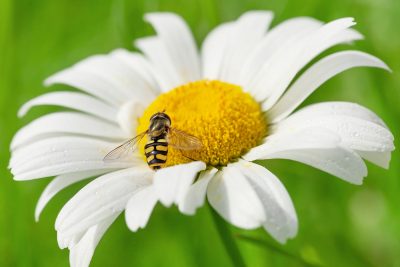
(340, 224)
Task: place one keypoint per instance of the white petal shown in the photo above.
(69, 241)
(382, 159)
(212, 50)
(322, 150)
(138, 64)
(106, 77)
(179, 42)
(90, 83)
(61, 146)
(101, 198)
(316, 75)
(246, 32)
(126, 80)
(51, 145)
(310, 138)
(355, 133)
(81, 254)
(284, 34)
(128, 117)
(340, 162)
(248, 196)
(281, 219)
(162, 65)
(277, 73)
(179, 46)
(233, 197)
(196, 193)
(329, 109)
(73, 100)
(59, 183)
(334, 108)
(298, 56)
(171, 183)
(139, 208)
(64, 123)
(59, 155)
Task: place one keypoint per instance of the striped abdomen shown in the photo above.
(156, 151)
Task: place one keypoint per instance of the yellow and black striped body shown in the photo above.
(156, 151)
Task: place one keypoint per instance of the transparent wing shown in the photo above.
(123, 150)
(181, 140)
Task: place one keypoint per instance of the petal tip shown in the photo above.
(22, 111)
(49, 81)
(37, 216)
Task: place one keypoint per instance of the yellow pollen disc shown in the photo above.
(227, 120)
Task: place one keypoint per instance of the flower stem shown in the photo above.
(227, 239)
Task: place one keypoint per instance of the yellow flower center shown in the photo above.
(227, 120)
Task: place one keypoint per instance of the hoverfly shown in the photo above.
(160, 135)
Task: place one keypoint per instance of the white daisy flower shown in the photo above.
(237, 96)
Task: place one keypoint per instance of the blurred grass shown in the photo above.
(340, 224)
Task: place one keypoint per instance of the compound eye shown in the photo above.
(168, 118)
(152, 117)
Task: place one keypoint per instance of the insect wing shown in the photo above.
(124, 149)
(181, 140)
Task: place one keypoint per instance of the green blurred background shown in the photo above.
(340, 224)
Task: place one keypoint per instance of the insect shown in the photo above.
(160, 135)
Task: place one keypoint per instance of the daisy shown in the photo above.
(238, 95)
